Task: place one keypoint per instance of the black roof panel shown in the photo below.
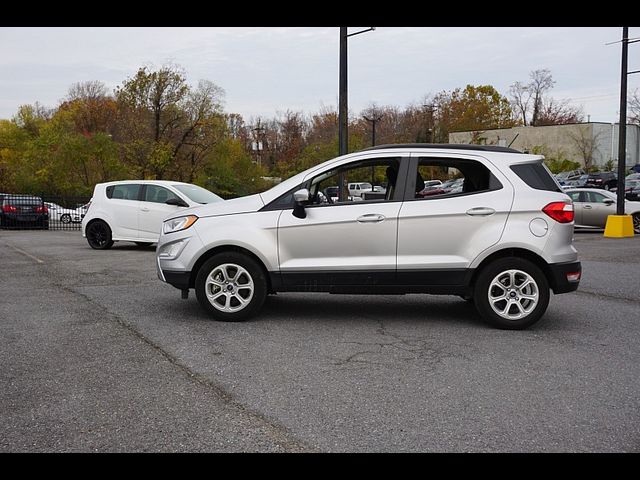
(453, 146)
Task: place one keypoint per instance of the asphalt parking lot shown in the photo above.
(99, 356)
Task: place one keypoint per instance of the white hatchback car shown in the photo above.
(133, 210)
(504, 240)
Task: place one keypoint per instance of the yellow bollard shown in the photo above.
(619, 226)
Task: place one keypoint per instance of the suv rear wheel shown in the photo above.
(511, 293)
(231, 286)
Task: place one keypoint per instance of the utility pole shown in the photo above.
(373, 121)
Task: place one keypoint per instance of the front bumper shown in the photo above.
(180, 280)
(562, 276)
(175, 255)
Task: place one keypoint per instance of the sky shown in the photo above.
(266, 70)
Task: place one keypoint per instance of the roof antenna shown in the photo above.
(514, 139)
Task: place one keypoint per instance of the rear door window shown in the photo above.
(127, 191)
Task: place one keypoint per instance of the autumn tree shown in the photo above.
(164, 125)
(472, 108)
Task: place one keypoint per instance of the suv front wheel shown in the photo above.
(231, 286)
(511, 293)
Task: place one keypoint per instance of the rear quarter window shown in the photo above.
(537, 176)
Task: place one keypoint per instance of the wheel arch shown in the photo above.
(515, 252)
(227, 248)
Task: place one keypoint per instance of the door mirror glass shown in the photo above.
(608, 201)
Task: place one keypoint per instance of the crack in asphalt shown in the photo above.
(606, 296)
(417, 348)
(281, 436)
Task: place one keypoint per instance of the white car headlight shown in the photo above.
(178, 224)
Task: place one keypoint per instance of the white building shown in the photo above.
(577, 141)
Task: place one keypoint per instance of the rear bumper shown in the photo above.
(561, 276)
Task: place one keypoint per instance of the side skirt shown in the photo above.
(390, 282)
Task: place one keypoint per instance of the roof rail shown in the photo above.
(454, 146)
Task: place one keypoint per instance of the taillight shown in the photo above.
(42, 209)
(9, 209)
(561, 212)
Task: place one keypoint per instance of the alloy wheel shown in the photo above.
(229, 288)
(513, 294)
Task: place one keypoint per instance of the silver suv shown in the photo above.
(503, 240)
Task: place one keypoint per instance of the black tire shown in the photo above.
(99, 235)
(66, 218)
(529, 311)
(636, 222)
(143, 244)
(229, 309)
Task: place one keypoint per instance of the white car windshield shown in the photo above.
(198, 194)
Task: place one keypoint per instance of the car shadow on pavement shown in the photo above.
(326, 307)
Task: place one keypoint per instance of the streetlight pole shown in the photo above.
(622, 128)
(343, 122)
(621, 225)
(343, 140)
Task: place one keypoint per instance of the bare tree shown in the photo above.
(634, 107)
(90, 90)
(520, 100)
(585, 143)
(558, 112)
(541, 83)
(534, 107)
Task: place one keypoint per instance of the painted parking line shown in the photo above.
(26, 254)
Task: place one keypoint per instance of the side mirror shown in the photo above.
(177, 202)
(300, 198)
(608, 201)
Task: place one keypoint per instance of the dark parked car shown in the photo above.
(581, 181)
(632, 189)
(24, 211)
(606, 180)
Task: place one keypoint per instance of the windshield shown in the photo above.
(197, 194)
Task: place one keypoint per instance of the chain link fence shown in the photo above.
(42, 212)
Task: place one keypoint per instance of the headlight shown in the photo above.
(177, 224)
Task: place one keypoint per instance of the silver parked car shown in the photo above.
(503, 240)
(593, 206)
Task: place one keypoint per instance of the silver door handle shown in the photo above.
(371, 218)
(587, 207)
(144, 209)
(481, 211)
